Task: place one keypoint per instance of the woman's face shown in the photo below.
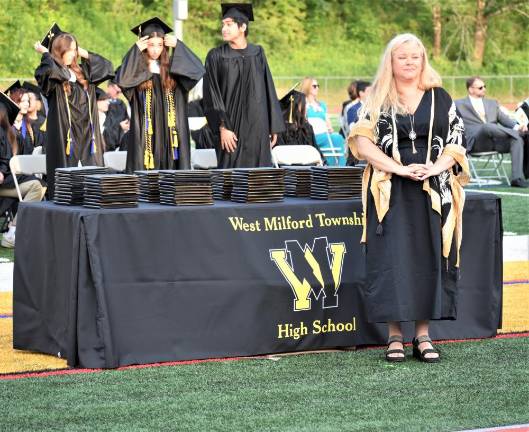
(24, 104)
(102, 105)
(314, 88)
(407, 62)
(33, 106)
(69, 56)
(154, 48)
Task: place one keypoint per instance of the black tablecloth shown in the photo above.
(107, 288)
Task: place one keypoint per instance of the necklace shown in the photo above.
(412, 135)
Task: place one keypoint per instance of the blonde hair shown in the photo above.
(383, 95)
(306, 84)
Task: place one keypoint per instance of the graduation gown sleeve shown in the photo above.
(277, 123)
(214, 107)
(49, 74)
(97, 69)
(132, 72)
(186, 66)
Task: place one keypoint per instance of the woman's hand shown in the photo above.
(40, 48)
(142, 43)
(170, 41)
(1, 177)
(228, 140)
(82, 52)
(408, 171)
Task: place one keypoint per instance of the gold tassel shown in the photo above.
(148, 157)
(290, 119)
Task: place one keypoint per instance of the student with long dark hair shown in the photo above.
(28, 137)
(156, 83)
(30, 188)
(73, 126)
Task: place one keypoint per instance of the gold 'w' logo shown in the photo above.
(312, 272)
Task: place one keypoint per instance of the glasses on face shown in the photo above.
(315, 86)
(481, 87)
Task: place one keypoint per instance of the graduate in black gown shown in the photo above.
(117, 118)
(298, 130)
(35, 114)
(239, 95)
(156, 83)
(72, 125)
(27, 135)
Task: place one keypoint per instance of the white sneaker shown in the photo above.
(8, 241)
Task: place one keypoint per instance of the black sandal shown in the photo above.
(396, 359)
(420, 355)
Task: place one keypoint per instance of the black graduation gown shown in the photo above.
(239, 92)
(51, 77)
(5, 155)
(112, 133)
(27, 143)
(186, 69)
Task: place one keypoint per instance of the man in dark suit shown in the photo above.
(487, 127)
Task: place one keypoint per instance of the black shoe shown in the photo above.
(392, 358)
(420, 355)
(519, 182)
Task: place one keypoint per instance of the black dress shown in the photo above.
(404, 254)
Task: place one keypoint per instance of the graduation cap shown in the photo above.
(101, 95)
(11, 107)
(241, 11)
(14, 86)
(153, 25)
(32, 88)
(53, 32)
(291, 99)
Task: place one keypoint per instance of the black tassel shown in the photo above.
(363, 248)
(380, 229)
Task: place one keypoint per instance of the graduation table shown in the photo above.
(108, 288)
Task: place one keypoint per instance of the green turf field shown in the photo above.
(477, 384)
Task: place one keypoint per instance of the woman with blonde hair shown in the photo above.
(319, 120)
(412, 138)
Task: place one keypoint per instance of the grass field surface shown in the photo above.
(478, 384)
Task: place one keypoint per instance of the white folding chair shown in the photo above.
(196, 123)
(203, 159)
(26, 164)
(296, 155)
(486, 168)
(116, 160)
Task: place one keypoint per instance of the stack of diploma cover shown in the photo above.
(111, 191)
(69, 186)
(258, 185)
(185, 187)
(149, 186)
(331, 183)
(222, 183)
(297, 181)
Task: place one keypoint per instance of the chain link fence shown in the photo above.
(508, 89)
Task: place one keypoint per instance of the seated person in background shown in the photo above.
(486, 125)
(353, 98)
(37, 118)
(27, 136)
(521, 115)
(298, 129)
(319, 120)
(30, 188)
(118, 116)
(362, 88)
